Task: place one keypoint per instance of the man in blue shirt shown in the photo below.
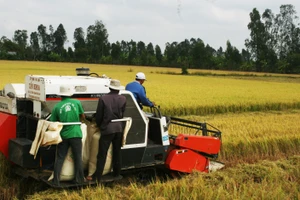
(139, 91)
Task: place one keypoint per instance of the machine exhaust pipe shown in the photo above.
(83, 71)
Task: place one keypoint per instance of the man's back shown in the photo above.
(139, 93)
(134, 87)
(110, 106)
(68, 110)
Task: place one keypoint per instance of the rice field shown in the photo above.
(257, 114)
(254, 136)
(180, 95)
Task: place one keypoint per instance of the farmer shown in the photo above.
(68, 110)
(139, 91)
(110, 107)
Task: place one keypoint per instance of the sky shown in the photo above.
(157, 21)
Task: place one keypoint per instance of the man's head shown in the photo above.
(66, 91)
(140, 76)
(115, 85)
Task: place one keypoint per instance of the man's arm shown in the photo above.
(53, 116)
(99, 112)
(81, 112)
(82, 117)
(145, 101)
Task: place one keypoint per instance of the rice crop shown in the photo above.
(179, 95)
(249, 137)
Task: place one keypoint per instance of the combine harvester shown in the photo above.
(153, 140)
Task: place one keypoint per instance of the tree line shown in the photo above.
(273, 46)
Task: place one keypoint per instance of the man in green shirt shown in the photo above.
(68, 110)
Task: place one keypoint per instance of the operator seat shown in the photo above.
(137, 132)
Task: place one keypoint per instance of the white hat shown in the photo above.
(66, 91)
(140, 76)
(115, 85)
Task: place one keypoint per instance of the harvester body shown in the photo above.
(153, 140)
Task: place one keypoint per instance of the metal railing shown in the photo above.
(178, 125)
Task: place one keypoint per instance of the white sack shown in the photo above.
(67, 172)
(93, 156)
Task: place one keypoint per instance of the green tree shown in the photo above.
(158, 55)
(150, 49)
(116, 52)
(219, 59)
(70, 54)
(271, 41)
(79, 44)
(294, 63)
(184, 49)
(132, 52)
(97, 41)
(45, 41)
(258, 47)
(211, 53)
(124, 52)
(34, 44)
(288, 38)
(171, 54)
(151, 59)
(79, 38)
(285, 30)
(199, 57)
(20, 38)
(51, 39)
(141, 54)
(9, 49)
(233, 57)
(60, 37)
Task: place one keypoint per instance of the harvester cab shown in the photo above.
(152, 140)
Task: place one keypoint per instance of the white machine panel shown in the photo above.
(37, 87)
(18, 89)
(8, 105)
(9, 94)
